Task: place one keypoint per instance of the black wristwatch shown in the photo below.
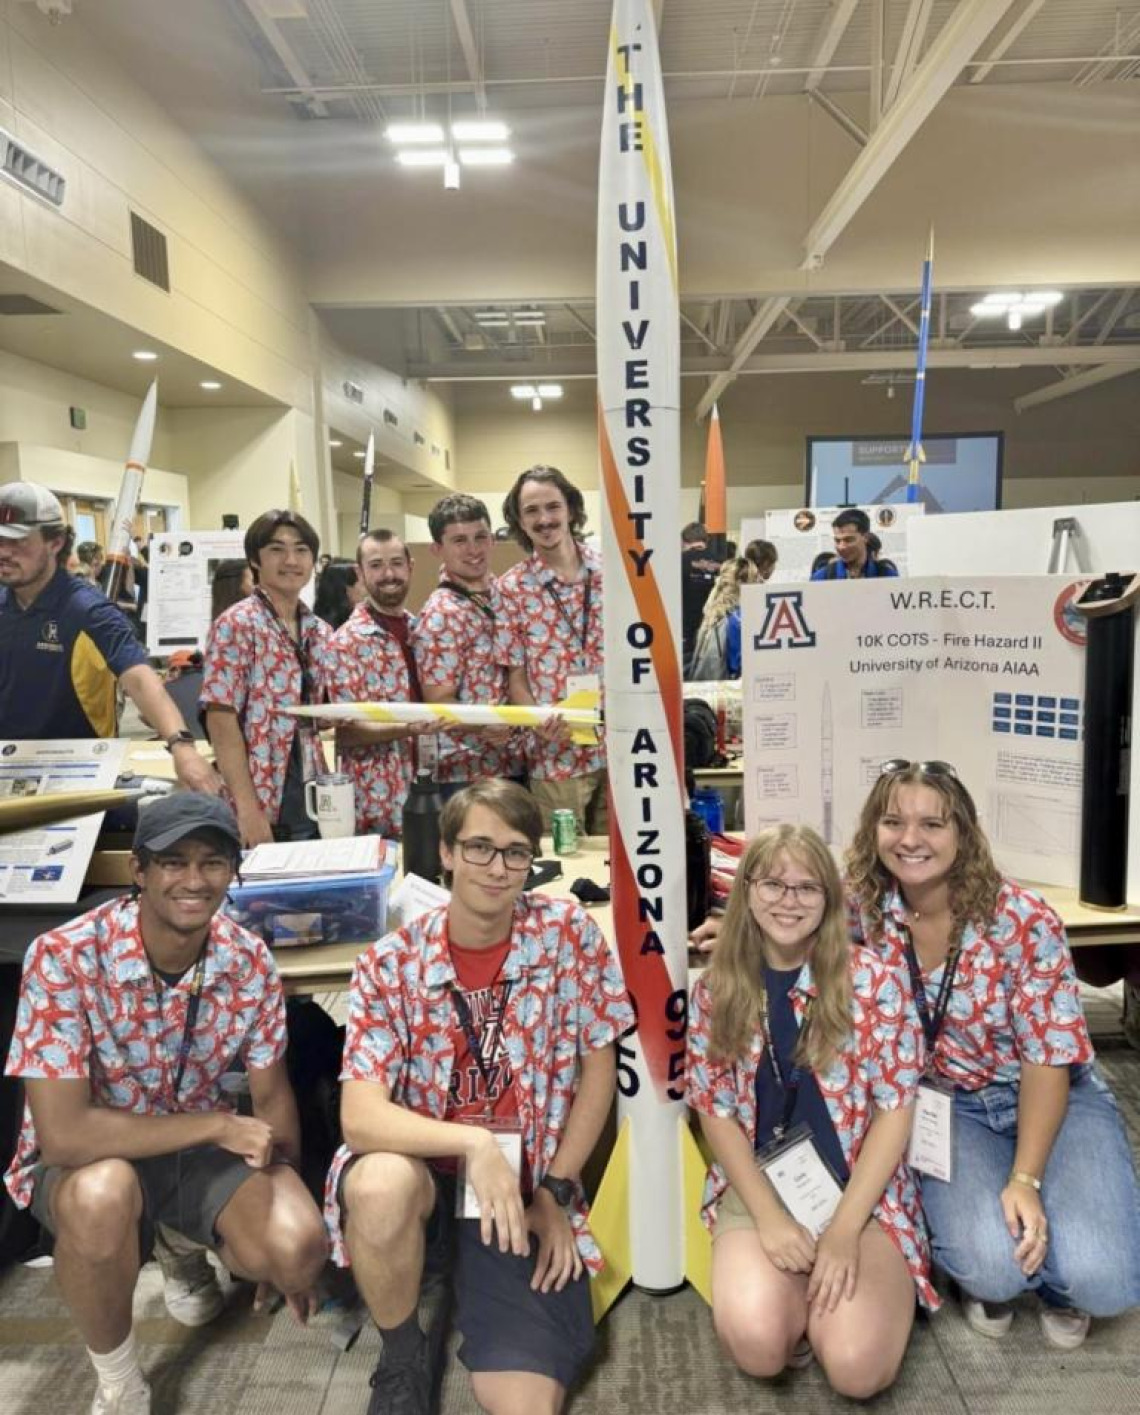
(176, 739)
(564, 1190)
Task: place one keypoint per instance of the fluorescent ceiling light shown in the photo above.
(492, 318)
(523, 390)
(422, 157)
(211, 385)
(480, 130)
(1008, 301)
(530, 316)
(486, 156)
(144, 356)
(335, 442)
(550, 390)
(413, 132)
(359, 456)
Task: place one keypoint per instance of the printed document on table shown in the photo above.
(48, 865)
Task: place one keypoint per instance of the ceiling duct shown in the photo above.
(29, 171)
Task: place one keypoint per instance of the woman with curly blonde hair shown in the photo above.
(803, 1060)
(716, 654)
(1027, 1180)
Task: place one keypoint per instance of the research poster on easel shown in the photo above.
(984, 673)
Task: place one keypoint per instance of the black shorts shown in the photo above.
(186, 1190)
(505, 1325)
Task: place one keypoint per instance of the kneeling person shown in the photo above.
(129, 1017)
(479, 1061)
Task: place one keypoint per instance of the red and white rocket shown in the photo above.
(640, 1214)
(127, 504)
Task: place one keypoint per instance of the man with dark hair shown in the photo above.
(63, 644)
(129, 1018)
(454, 643)
(856, 550)
(516, 1001)
(699, 569)
(694, 535)
(267, 650)
(550, 638)
(372, 661)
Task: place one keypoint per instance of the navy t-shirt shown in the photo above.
(872, 570)
(810, 1108)
(59, 660)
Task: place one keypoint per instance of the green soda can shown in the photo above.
(564, 829)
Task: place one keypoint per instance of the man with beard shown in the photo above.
(372, 661)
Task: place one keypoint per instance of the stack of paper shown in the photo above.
(308, 859)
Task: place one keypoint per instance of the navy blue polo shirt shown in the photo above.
(872, 570)
(59, 660)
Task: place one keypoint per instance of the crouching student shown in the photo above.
(479, 1069)
(129, 1018)
(804, 1057)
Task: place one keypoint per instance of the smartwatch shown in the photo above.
(176, 739)
(564, 1190)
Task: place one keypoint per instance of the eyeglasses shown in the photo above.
(773, 891)
(482, 852)
(900, 764)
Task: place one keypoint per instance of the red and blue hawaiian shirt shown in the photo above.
(1015, 996)
(454, 643)
(552, 630)
(252, 666)
(566, 999)
(878, 1068)
(90, 1009)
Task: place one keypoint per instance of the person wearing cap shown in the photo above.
(63, 644)
(129, 1019)
(857, 550)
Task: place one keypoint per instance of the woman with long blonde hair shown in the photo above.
(716, 654)
(804, 1056)
(1027, 1180)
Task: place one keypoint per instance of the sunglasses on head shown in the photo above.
(897, 765)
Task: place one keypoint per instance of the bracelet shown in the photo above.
(1019, 1176)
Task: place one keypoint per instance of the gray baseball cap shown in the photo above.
(172, 818)
(25, 506)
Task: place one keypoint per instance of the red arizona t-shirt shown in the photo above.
(477, 971)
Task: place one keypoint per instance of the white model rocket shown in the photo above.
(639, 1215)
(130, 489)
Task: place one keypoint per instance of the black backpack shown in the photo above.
(700, 735)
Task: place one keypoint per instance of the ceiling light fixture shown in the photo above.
(1015, 306)
(211, 385)
(530, 316)
(414, 133)
(144, 356)
(335, 442)
(359, 456)
(523, 390)
(550, 390)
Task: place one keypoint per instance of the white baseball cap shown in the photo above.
(26, 506)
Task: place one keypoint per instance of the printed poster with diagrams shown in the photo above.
(48, 864)
(985, 673)
(799, 536)
(182, 565)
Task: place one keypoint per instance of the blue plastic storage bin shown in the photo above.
(328, 909)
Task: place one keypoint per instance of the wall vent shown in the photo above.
(390, 418)
(419, 439)
(29, 171)
(352, 391)
(148, 251)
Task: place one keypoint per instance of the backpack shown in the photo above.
(700, 735)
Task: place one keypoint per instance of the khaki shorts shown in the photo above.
(732, 1213)
(584, 795)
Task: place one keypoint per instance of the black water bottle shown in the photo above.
(421, 817)
(698, 869)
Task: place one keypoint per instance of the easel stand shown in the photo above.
(1067, 536)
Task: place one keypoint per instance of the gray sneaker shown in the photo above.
(190, 1286)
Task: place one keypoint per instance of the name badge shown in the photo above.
(583, 683)
(931, 1148)
(802, 1179)
(509, 1140)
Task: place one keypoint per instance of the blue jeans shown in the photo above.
(1089, 1192)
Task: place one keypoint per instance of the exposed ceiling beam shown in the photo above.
(445, 318)
(582, 322)
(791, 314)
(1079, 323)
(910, 47)
(462, 21)
(1077, 383)
(830, 35)
(701, 335)
(286, 54)
(841, 116)
(1004, 43)
(763, 320)
(1111, 318)
(968, 25)
(878, 39)
(900, 314)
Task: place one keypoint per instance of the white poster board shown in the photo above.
(799, 536)
(48, 864)
(182, 565)
(1019, 542)
(987, 674)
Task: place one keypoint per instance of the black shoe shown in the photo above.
(401, 1387)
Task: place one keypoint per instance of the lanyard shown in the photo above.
(379, 619)
(474, 1044)
(192, 1008)
(478, 598)
(931, 1025)
(790, 1085)
(586, 597)
(300, 652)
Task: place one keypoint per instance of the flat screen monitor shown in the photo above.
(961, 473)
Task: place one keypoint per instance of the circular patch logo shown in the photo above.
(1070, 622)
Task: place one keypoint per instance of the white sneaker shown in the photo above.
(130, 1398)
(802, 1355)
(1064, 1327)
(190, 1287)
(992, 1319)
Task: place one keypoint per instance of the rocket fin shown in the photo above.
(698, 1240)
(609, 1223)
